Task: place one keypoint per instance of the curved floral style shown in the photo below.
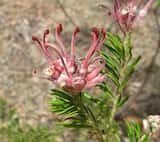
(66, 71)
(125, 13)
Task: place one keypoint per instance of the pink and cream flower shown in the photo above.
(66, 71)
(126, 12)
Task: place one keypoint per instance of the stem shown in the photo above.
(118, 91)
(88, 115)
(114, 109)
(81, 105)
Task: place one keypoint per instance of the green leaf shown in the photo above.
(145, 138)
(113, 71)
(61, 94)
(112, 49)
(122, 100)
(62, 103)
(117, 138)
(115, 64)
(135, 133)
(117, 43)
(89, 97)
(115, 39)
(69, 110)
(70, 107)
(74, 124)
(64, 108)
(114, 78)
(106, 88)
(129, 71)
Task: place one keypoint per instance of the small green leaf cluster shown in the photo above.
(119, 61)
(135, 132)
(68, 106)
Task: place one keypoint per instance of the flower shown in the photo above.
(66, 71)
(126, 13)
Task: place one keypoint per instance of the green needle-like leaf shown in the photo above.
(129, 71)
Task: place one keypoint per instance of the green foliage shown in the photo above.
(135, 133)
(63, 103)
(2, 108)
(12, 131)
(6, 113)
(122, 100)
(71, 107)
(15, 133)
(128, 71)
(158, 3)
(106, 88)
(119, 63)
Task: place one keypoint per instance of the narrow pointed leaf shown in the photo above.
(129, 71)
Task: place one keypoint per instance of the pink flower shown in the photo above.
(125, 13)
(66, 71)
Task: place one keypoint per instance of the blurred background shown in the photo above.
(20, 19)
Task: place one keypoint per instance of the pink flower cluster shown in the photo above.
(66, 71)
(127, 12)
